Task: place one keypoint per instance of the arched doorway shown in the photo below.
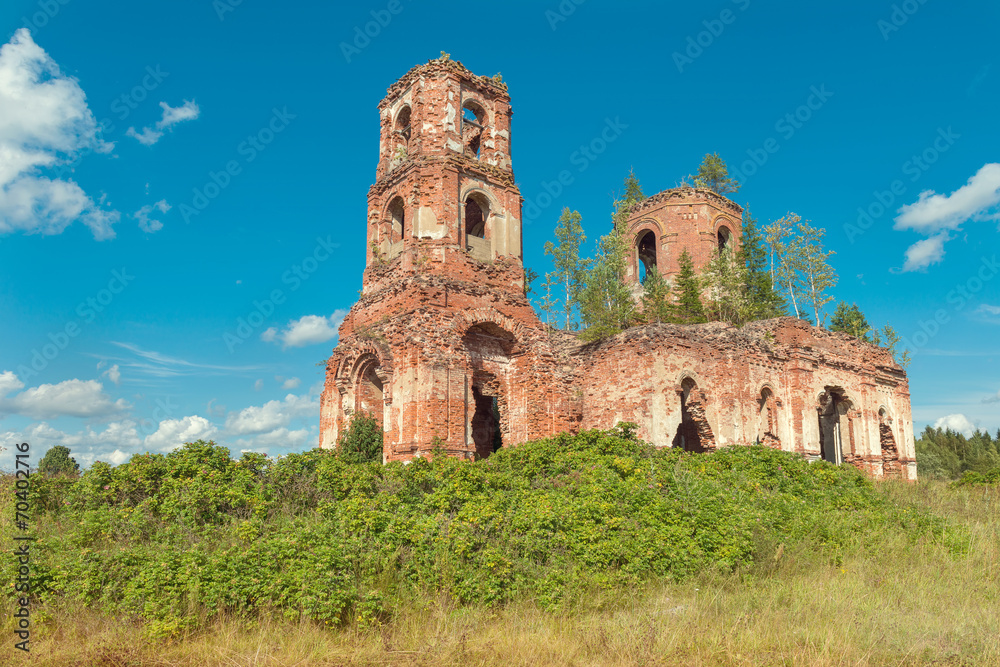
(694, 434)
(834, 425)
(490, 349)
(767, 429)
(369, 393)
(890, 453)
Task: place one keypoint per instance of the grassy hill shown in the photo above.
(587, 549)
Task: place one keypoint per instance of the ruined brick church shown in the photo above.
(445, 350)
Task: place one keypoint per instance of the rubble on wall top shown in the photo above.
(446, 65)
(687, 193)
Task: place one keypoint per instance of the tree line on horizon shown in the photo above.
(781, 268)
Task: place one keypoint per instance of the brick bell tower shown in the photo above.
(443, 348)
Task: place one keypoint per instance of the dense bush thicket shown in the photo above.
(947, 454)
(188, 534)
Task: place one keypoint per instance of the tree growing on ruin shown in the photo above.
(687, 307)
(530, 276)
(765, 300)
(785, 250)
(57, 461)
(570, 268)
(850, 320)
(655, 298)
(714, 175)
(547, 302)
(606, 304)
(724, 281)
(818, 276)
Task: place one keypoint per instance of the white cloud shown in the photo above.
(45, 123)
(142, 215)
(923, 253)
(956, 422)
(147, 136)
(112, 444)
(173, 115)
(280, 437)
(172, 433)
(987, 309)
(113, 374)
(258, 385)
(9, 383)
(72, 398)
(307, 330)
(934, 215)
(291, 383)
(272, 415)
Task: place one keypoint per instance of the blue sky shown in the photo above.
(183, 185)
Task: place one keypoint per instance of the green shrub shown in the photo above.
(333, 538)
(362, 441)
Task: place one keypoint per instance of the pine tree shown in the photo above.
(765, 301)
(850, 320)
(714, 175)
(687, 307)
(655, 298)
(566, 255)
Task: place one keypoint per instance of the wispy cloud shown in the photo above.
(147, 224)
(156, 364)
(148, 136)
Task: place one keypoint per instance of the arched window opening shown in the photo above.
(397, 216)
(475, 218)
(647, 255)
(402, 127)
(724, 237)
(473, 123)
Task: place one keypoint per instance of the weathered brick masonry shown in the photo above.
(444, 348)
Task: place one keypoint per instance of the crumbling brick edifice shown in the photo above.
(446, 351)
